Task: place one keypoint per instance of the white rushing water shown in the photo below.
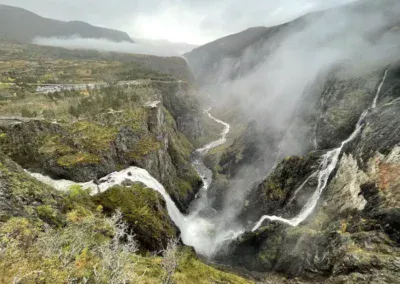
(379, 89)
(63, 184)
(201, 232)
(326, 167)
(203, 228)
(133, 174)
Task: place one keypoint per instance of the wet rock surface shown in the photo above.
(353, 234)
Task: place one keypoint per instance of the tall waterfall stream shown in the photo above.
(326, 167)
(201, 228)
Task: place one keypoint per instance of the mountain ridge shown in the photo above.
(23, 25)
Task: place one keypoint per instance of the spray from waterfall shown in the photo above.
(202, 232)
(206, 231)
(326, 167)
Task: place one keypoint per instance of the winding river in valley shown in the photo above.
(204, 228)
(203, 231)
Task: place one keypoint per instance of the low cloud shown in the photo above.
(193, 21)
(151, 47)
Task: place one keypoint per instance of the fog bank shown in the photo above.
(142, 46)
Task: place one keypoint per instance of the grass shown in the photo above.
(80, 158)
(145, 146)
(144, 211)
(92, 136)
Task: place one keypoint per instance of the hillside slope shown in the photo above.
(236, 55)
(22, 25)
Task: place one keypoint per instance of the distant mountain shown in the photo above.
(22, 25)
(228, 58)
(219, 60)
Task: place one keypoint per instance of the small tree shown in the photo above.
(170, 260)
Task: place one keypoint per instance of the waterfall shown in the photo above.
(326, 167)
(133, 174)
(203, 233)
(379, 89)
(204, 230)
(136, 174)
(301, 187)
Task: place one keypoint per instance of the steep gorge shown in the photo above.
(303, 178)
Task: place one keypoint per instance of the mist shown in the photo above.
(289, 63)
(141, 46)
(283, 72)
(273, 91)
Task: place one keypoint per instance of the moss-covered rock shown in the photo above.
(22, 195)
(341, 239)
(275, 195)
(342, 102)
(247, 149)
(102, 142)
(145, 212)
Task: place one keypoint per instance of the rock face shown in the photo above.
(246, 150)
(23, 196)
(179, 99)
(277, 194)
(353, 234)
(341, 104)
(145, 212)
(147, 137)
(236, 55)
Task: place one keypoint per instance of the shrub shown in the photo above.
(170, 260)
(27, 113)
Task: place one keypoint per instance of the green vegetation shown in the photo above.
(146, 145)
(50, 65)
(54, 237)
(123, 235)
(104, 130)
(91, 135)
(144, 210)
(39, 200)
(191, 270)
(78, 159)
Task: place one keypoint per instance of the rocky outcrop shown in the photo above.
(179, 99)
(279, 194)
(246, 150)
(23, 196)
(144, 210)
(85, 150)
(353, 235)
(341, 104)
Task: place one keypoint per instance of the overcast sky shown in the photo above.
(190, 21)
